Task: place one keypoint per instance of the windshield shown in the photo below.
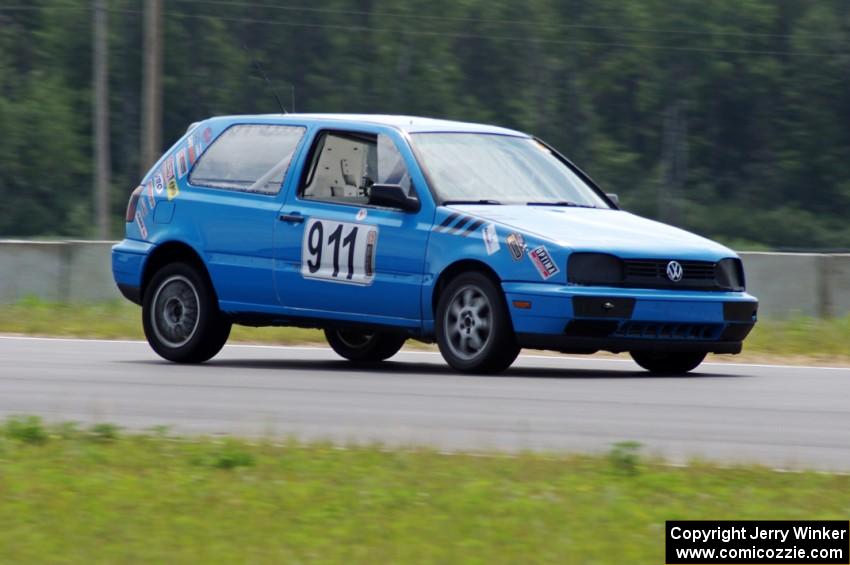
(489, 168)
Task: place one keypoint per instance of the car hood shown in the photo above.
(602, 230)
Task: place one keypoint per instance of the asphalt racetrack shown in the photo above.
(780, 416)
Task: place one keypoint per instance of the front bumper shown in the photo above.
(581, 319)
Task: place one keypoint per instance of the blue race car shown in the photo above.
(379, 229)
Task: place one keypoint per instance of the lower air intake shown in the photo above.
(678, 331)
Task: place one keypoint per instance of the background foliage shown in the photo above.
(727, 117)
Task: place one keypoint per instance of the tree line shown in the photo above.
(729, 117)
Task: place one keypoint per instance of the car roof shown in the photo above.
(411, 124)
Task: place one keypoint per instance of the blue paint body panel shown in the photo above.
(256, 261)
(128, 258)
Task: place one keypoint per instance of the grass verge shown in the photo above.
(69, 494)
(117, 320)
(806, 339)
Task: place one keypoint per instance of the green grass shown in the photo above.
(804, 337)
(114, 320)
(71, 494)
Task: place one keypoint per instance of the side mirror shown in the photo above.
(614, 198)
(392, 196)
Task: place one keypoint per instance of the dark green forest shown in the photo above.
(727, 117)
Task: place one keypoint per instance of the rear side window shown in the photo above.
(248, 157)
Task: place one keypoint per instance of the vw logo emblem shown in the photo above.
(675, 271)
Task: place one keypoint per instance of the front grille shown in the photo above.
(679, 331)
(603, 269)
(653, 272)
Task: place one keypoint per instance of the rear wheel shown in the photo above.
(180, 315)
(364, 347)
(473, 327)
(662, 363)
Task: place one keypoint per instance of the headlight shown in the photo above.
(730, 274)
(594, 268)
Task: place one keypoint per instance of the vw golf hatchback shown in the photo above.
(379, 229)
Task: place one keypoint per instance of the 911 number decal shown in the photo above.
(339, 251)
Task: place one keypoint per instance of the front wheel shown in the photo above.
(364, 347)
(661, 363)
(180, 315)
(473, 326)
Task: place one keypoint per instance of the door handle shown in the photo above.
(294, 217)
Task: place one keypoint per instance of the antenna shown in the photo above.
(266, 78)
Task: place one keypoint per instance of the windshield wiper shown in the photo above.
(482, 201)
(565, 203)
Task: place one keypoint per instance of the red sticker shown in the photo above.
(182, 166)
(543, 262)
(150, 189)
(141, 222)
(169, 168)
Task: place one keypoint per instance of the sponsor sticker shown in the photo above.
(516, 245)
(207, 135)
(192, 154)
(169, 168)
(141, 222)
(149, 191)
(361, 214)
(142, 207)
(173, 189)
(182, 164)
(491, 238)
(158, 183)
(543, 262)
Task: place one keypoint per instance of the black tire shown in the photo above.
(364, 347)
(662, 363)
(473, 327)
(180, 315)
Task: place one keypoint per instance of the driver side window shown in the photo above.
(344, 166)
